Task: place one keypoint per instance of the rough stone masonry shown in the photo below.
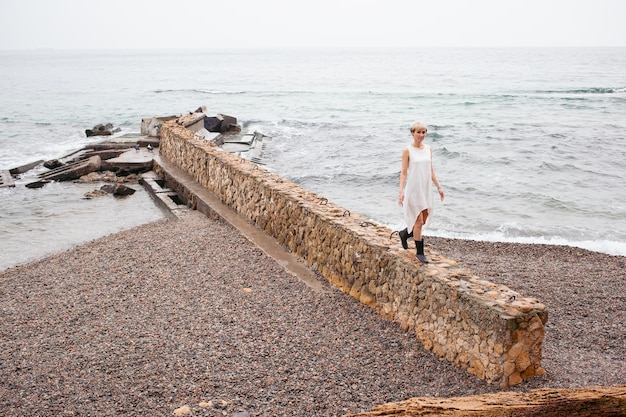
(488, 329)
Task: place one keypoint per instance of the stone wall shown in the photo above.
(493, 332)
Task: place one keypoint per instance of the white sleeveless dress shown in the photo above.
(418, 193)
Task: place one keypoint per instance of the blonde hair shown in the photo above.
(417, 125)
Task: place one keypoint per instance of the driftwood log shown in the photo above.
(582, 402)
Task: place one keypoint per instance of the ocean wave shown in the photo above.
(573, 169)
(379, 179)
(568, 99)
(309, 126)
(550, 166)
(257, 93)
(591, 90)
(198, 91)
(434, 136)
(444, 152)
(441, 127)
(559, 205)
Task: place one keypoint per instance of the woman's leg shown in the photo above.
(417, 232)
(419, 222)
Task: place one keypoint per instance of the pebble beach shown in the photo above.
(187, 317)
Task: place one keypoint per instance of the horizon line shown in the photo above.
(64, 49)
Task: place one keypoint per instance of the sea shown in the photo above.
(529, 144)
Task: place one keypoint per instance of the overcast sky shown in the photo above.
(141, 24)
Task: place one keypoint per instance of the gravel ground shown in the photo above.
(585, 292)
(190, 313)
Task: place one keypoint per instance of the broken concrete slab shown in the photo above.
(25, 168)
(73, 170)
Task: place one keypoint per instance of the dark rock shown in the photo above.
(229, 123)
(122, 172)
(102, 130)
(124, 190)
(37, 184)
(118, 189)
(221, 123)
(212, 123)
(109, 188)
(52, 164)
(128, 175)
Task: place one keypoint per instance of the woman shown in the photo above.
(416, 197)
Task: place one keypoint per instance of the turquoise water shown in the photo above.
(528, 143)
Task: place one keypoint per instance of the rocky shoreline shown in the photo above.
(188, 313)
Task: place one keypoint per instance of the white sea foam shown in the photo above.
(603, 246)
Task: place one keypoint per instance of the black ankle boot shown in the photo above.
(404, 236)
(419, 245)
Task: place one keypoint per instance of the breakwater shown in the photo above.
(488, 329)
